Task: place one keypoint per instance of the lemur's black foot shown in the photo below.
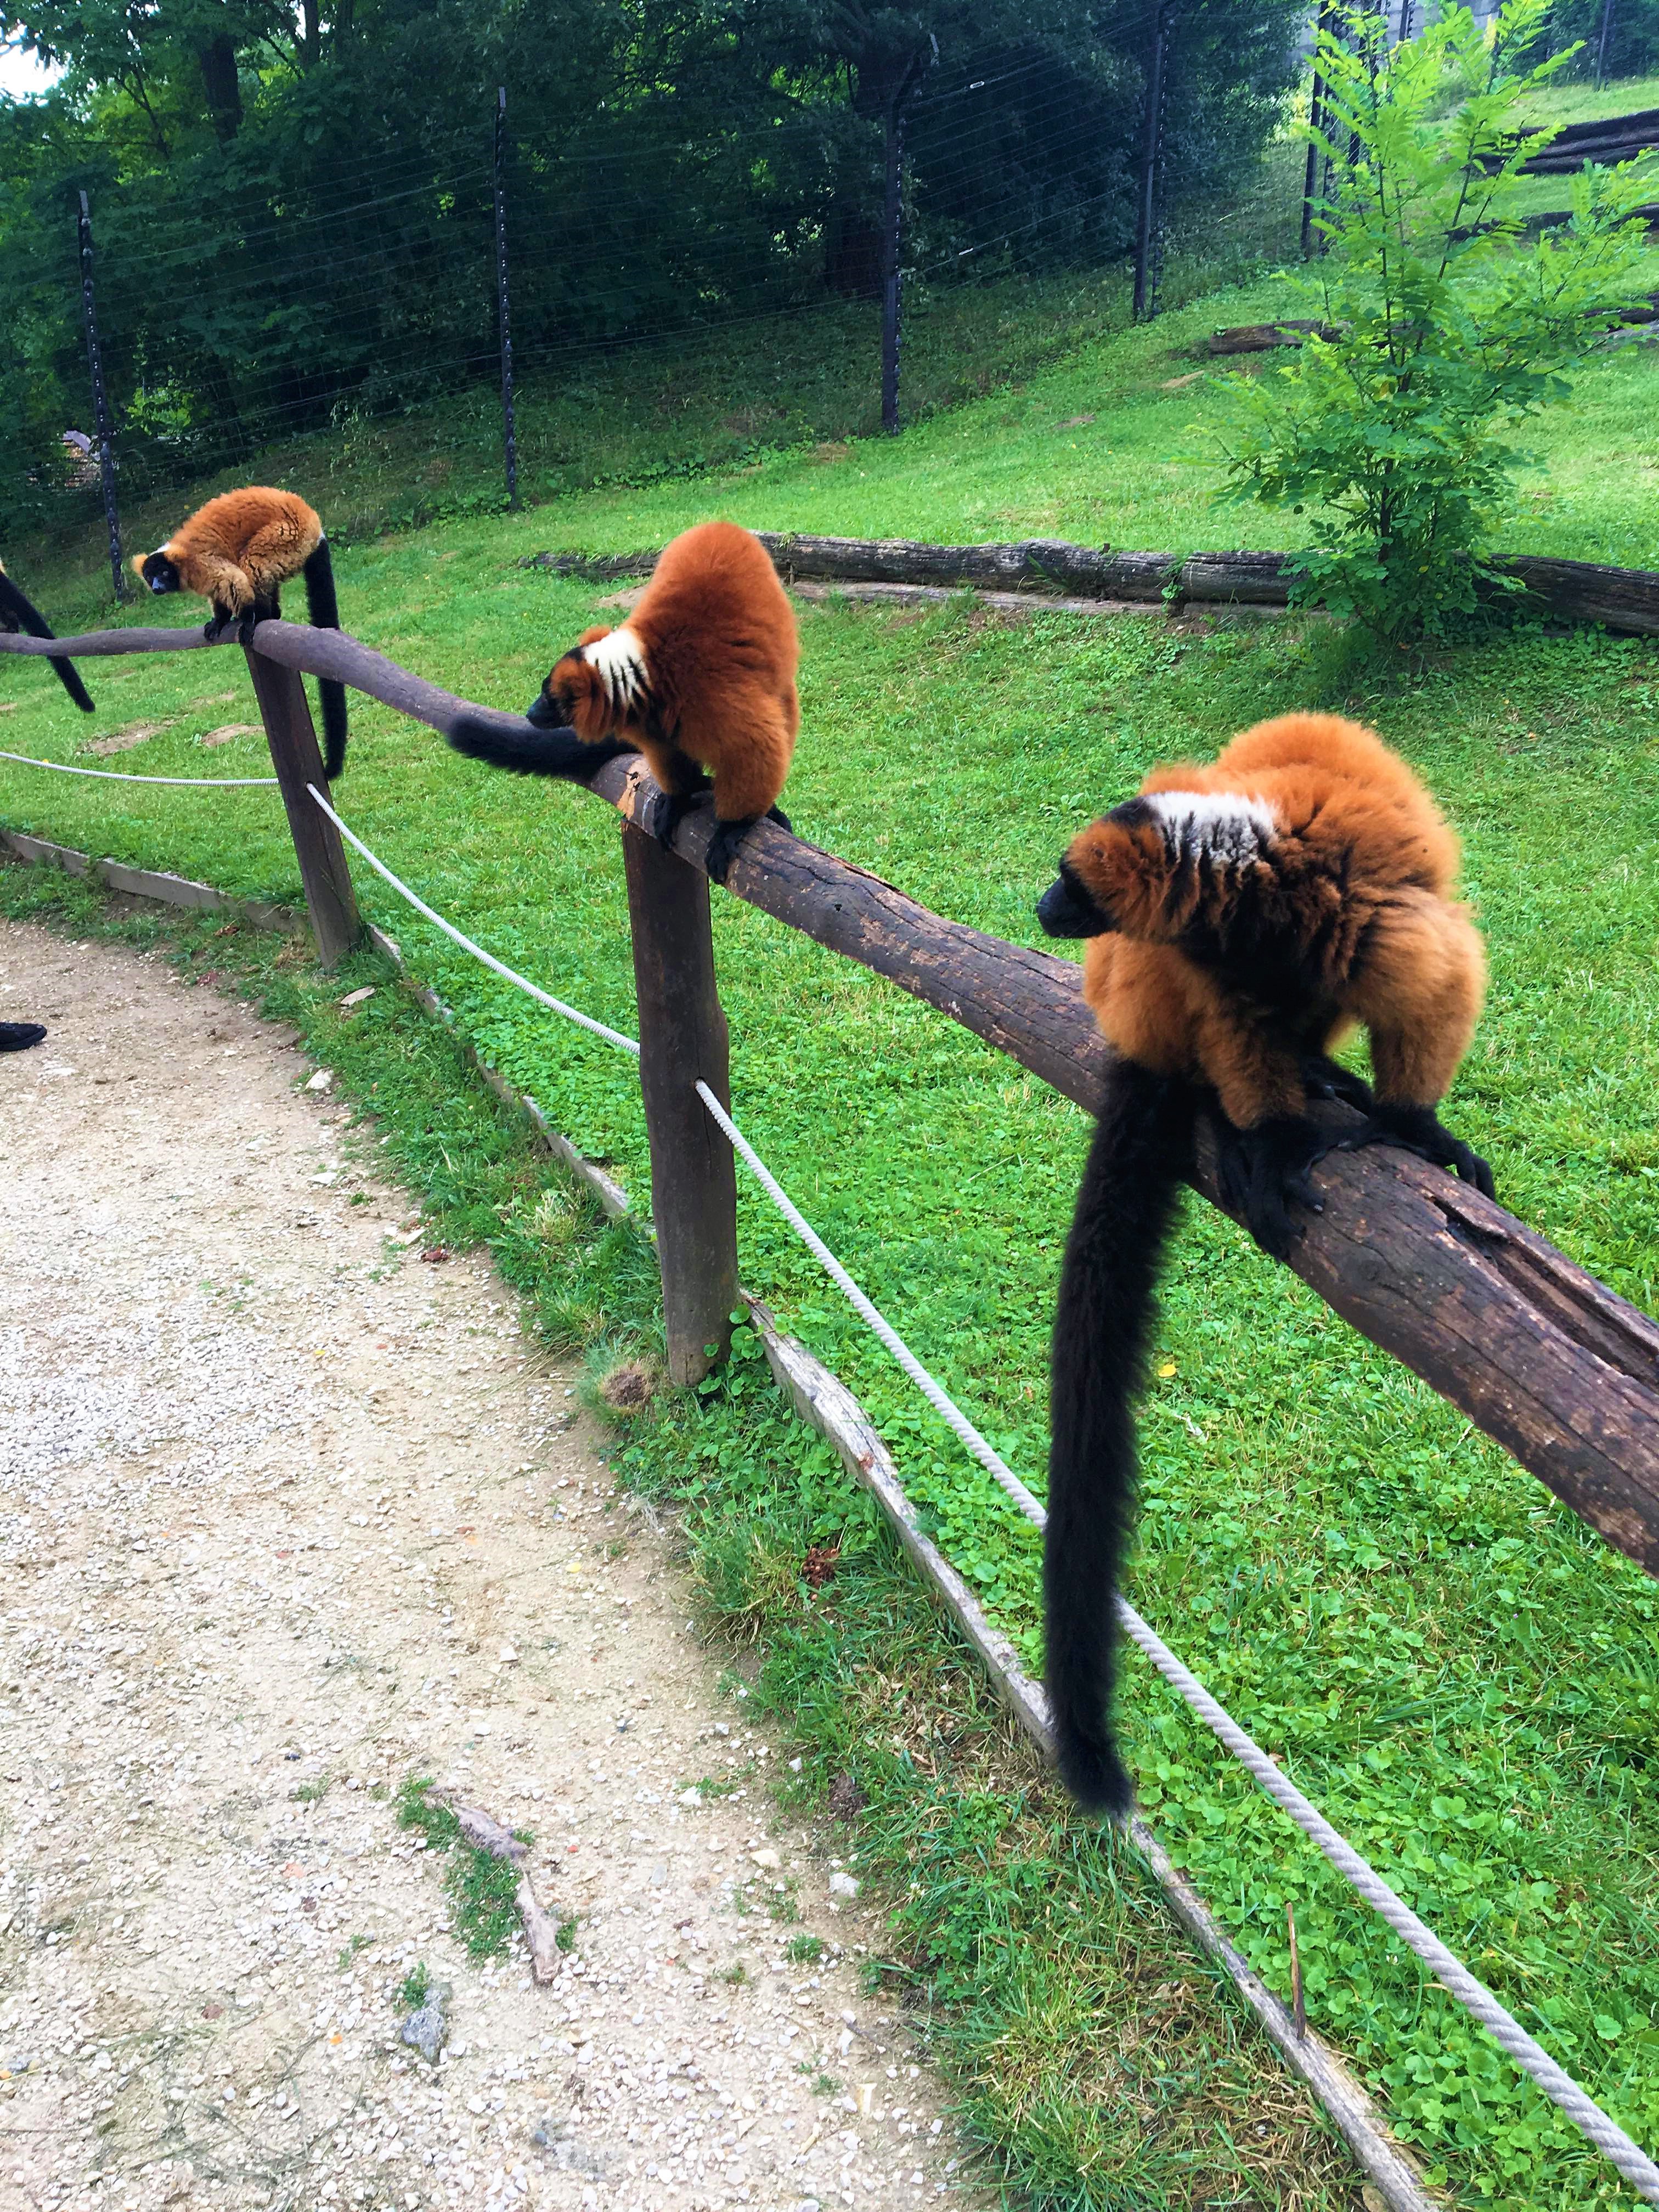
(723, 845)
(18, 1036)
(776, 814)
(214, 630)
(1329, 1078)
(1263, 1170)
(1418, 1129)
(672, 809)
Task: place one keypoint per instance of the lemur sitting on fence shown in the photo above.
(700, 679)
(1241, 918)
(237, 551)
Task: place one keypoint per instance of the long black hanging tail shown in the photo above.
(31, 619)
(532, 751)
(322, 612)
(1103, 1320)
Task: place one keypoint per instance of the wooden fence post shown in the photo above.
(286, 714)
(683, 1041)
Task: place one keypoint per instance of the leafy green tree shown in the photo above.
(1444, 329)
(292, 198)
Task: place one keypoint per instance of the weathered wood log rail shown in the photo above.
(1577, 591)
(1551, 1363)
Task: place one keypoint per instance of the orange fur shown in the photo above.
(1233, 974)
(242, 546)
(718, 649)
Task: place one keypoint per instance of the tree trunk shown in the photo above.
(217, 58)
(310, 35)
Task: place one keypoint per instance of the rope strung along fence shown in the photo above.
(1608, 2137)
(123, 776)
(488, 959)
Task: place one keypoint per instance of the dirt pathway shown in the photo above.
(287, 1514)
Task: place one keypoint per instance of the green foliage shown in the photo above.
(416, 1987)
(1445, 332)
(294, 215)
(480, 1888)
(1632, 45)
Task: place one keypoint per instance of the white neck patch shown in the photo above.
(1215, 825)
(620, 659)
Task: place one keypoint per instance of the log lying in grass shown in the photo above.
(1261, 338)
(1549, 1362)
(1582, 591)
(1606, 140)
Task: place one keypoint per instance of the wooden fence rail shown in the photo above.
(1551, 1363)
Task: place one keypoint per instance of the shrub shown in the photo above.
(1443, 330)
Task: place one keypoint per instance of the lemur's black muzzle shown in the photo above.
(1066, 909)
(544, 714)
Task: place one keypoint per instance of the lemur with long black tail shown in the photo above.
(17, 613)
(700, 679)
(237, 551)
(1243, 917)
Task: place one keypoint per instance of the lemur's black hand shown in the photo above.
(1419, 1129)
(1263, 1170)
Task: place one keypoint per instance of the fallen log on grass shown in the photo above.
(1581, 591)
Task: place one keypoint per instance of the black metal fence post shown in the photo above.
(1602, 42)
(100, 406)
(892, 237)
(509, 433)
(1146, 301)
(1315, 118)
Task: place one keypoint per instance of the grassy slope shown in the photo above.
(1451, 1664)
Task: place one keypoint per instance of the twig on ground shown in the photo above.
(485, 1833)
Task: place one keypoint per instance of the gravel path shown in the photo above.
(287, 1514)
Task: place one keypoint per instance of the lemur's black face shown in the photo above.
(1066, 908)
(159, 572)
(548, 712)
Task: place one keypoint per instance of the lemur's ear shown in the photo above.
(592, 636)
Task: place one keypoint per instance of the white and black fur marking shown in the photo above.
(620, 659)
(1216, 826)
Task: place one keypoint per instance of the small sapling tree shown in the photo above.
(1446, 327)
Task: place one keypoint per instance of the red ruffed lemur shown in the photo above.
(1243, 917)
(237, 551)
(16, 613)
(700, 679)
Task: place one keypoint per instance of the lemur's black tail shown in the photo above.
(1104, 1315)
(30, 618)
(532, 751)
(322, 612)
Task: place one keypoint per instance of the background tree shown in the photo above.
(292, 198)
(1449, 329)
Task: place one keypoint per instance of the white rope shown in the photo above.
(949, 1413)
(122, 775)
(501, 967)
(1608, 2137)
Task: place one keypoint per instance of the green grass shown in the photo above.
(1448, 1661)
(1042, 1932)
(1587, 103)
(480, 1888)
